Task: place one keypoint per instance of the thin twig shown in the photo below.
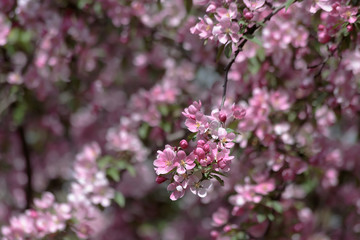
(249, 31)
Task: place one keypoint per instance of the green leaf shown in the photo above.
(131, 170)
(261, 218)
(121, 164)
(143, 130)
(230, 130)
(219, 53)
(252, 39)
(19, 113)
(119, 199)
(104, 162)
(219, 173)
(261, 54)
(192, 137)
(166, 126)
(228, 50)
(188, 5)
(219, 179)
(292, 116)
(277, 206)
(164, 110)
(114, 174)
(254, 65)
(271, 217)
(288, 3)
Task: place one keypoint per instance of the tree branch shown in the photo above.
(28, 168)
(249, 31)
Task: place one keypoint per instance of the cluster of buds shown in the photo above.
(207, 159)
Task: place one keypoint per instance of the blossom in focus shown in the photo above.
(227, 30)
(165, 161)
(199, 187)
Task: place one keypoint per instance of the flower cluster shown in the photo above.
(49, 217)
(209, 158)
(223, 28)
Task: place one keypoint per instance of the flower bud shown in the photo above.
(206, 147)
(249, 15)
(222, 117)
(349, 27)
(321, 27)
(160, 179)
(184, 144)
(200, 143)
(200, 153)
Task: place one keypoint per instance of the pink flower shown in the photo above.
(4, 30)
(197, 186)
(238, 112)
(165, 161)
(225, 139)
(15, 78)
(177, 189)
(325, 5)
(184, 162)
(204, 28)
(227, 30)
(279, 100)
(277, 162)
(223, 14)
(220, 217)
(192, 110)
(101, 192)
(199, 124)
(254, 4)
(265, 187)
(46, 201)
(349, 14)
(223, 159)
(83, 230)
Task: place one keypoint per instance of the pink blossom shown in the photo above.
(238, 112)
(265, 187)
(226, 30)
(15, 78)
(4, 30)
(46, 201)
(225, 139)
(177, 189)
(199, 124)
(184, 162)
(192, 110)
(254, 4)
(226, 15)
(349, 14)
(197, 186)
(165, 161)
(204, 28)
(325, 5)
(220, 217)
(279, 101)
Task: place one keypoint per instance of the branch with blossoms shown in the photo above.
(209, 158)
(249, 34)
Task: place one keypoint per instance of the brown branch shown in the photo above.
(28, 168)
(249, 31)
